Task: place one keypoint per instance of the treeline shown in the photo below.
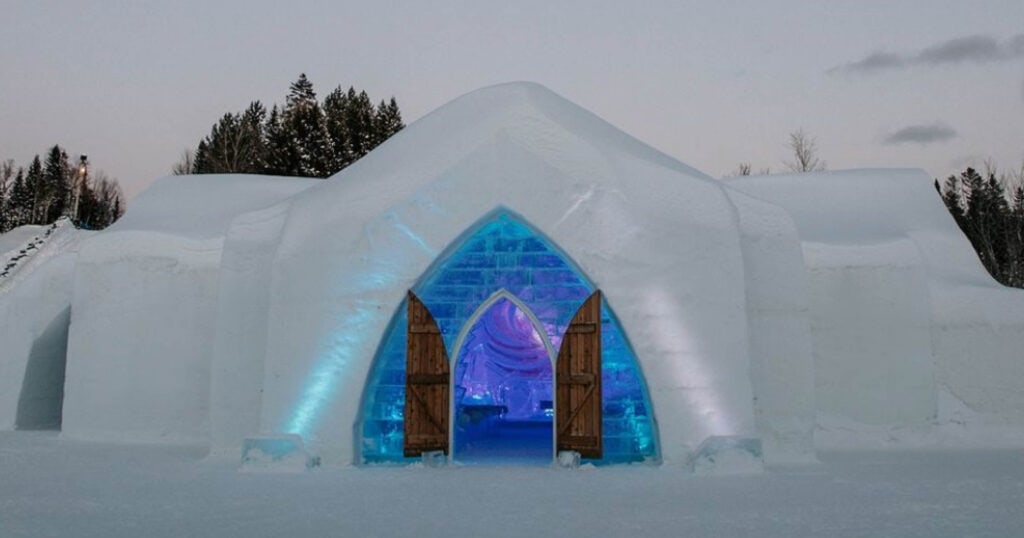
(990, 211)
(48, 189)
(304, 137)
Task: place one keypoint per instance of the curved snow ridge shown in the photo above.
(58, 238)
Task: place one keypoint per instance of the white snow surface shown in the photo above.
(13, 240)
(56, 487)
(33, 246)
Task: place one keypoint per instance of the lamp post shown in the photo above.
(81, 179)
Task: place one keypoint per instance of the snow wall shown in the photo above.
(902, 312)
(145, 307)
(328, 271)
(35, 299)
(782, 364)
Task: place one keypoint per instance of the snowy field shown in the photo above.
(53, 487)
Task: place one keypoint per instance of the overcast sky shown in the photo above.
(930, 84)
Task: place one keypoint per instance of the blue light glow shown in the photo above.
(503, 387)
(504, 253)
(323, 381)
(414, 237)
(343, 346)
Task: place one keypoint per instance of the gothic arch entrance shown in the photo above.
(511, 398)
(503, 386)
(503, 286)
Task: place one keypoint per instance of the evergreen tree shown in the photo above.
(235, 144)
(335, 109)
(387, 121)
(46, 191)
(301, 138)
(6, 177)
(280, 152)
(57, 184)
(1016, 239)
(256, 148)
(359, 124)
(199, 158)
(37, 187)
(951, 197)
(20, 203)
(311, 154)
(993, 224)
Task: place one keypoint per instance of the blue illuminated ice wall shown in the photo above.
(503, 252)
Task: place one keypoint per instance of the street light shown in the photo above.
(81, 179)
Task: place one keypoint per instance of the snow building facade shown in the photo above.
(509, 278)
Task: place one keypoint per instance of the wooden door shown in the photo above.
(578, 382)
(426, 383)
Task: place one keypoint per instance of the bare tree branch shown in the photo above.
(805, 153)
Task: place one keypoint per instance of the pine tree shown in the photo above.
(387, 121)
(199, 159)
(951, 197)
(236, 144)
(359, 123)
(252, 124)
(977, 217)
(20, 203)
(1016, 239)
(302, 138)
(6, 176)
(335, 109)
(37, 187)
(993, 224)
(57, 180)
(304, 122)
(280, 152)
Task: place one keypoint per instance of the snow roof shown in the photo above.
(866, 213)
(202, 206)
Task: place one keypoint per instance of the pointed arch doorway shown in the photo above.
(502, 256)
(510, 398)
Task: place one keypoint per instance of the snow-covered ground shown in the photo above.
(55, 487)
(14, 239)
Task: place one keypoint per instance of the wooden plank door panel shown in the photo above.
(426, 383)
(578, 382)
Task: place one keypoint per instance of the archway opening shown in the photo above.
(503, 390)
(502, 255)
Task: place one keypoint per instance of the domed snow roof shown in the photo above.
(499, 134)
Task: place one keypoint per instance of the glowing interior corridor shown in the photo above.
(503, 390)
(503, 254)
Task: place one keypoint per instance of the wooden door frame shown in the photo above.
(461, 339)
